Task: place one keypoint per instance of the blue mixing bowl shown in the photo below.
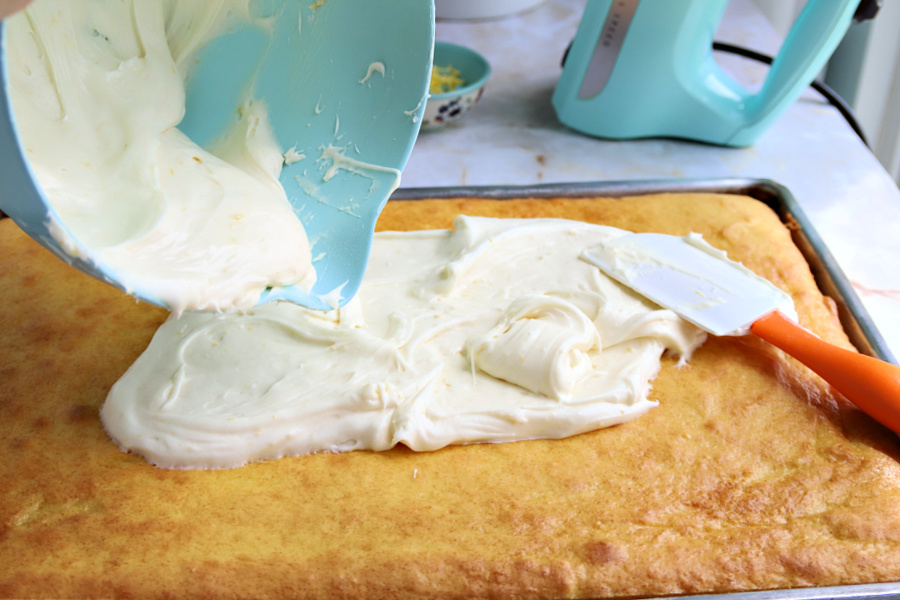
(320, 89)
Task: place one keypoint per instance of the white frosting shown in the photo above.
(496, 331)
(98, 92)
(375, 67)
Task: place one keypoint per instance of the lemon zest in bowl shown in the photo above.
(445, 79)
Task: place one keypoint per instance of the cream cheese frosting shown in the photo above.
(495, 331)
(98, 91)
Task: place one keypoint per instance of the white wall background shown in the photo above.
(873, 65)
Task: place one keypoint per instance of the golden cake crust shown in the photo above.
(751, 474)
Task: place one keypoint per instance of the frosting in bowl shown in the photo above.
(99, 90)
(495, 331)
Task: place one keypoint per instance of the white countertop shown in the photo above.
(512, 137)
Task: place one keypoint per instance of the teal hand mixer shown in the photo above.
(644, 68)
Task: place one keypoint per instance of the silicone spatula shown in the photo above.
(704, 287)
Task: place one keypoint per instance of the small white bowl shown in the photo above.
(475, 71)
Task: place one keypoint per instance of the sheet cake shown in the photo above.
(751, 474)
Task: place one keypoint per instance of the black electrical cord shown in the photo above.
(829, 94)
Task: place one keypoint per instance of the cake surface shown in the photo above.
(750, 474)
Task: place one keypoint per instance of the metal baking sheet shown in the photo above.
(831, 281)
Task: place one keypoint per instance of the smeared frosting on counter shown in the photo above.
(496, 331)
(98, 90)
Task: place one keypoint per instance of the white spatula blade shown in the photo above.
(691, 278)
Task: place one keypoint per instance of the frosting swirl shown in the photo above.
(495, 331)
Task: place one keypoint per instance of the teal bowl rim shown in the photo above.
(461, 91)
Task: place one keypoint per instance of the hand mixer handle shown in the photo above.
(815, 34)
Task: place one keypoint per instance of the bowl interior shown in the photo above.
(346, 92)
(473, 67)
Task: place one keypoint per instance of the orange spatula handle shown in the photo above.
(871, 384)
